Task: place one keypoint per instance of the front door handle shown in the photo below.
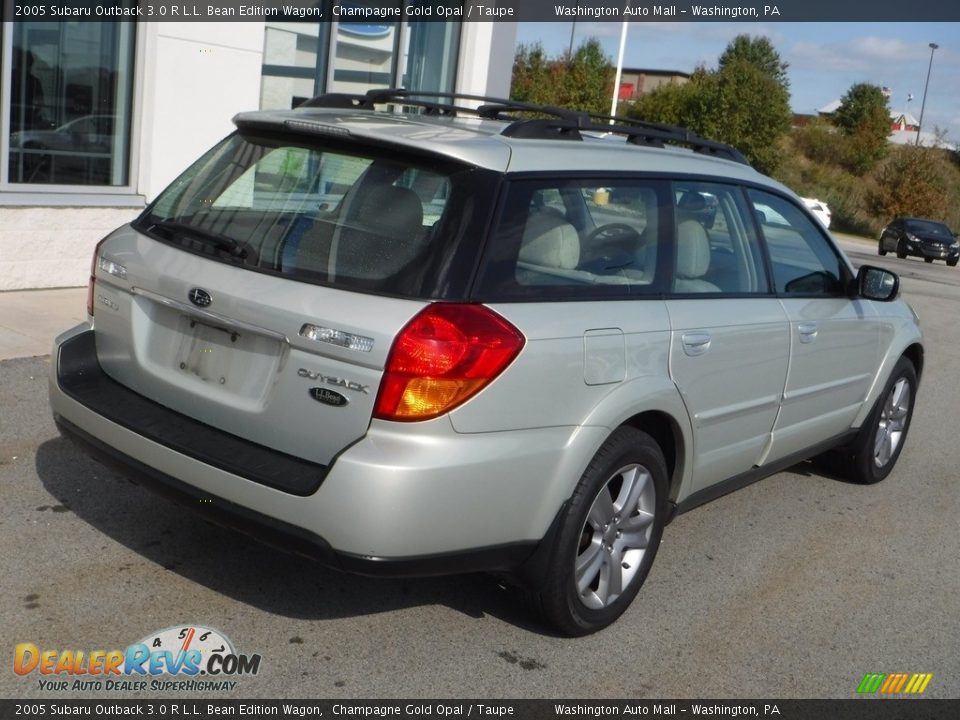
(808, 332)
(695, 343)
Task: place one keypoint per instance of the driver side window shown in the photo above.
(804, 263)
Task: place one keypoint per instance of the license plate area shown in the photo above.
(239, 362)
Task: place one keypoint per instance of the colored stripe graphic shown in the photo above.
(918, 683)
(894, 683)
(871, 682)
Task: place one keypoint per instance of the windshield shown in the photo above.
(351, 216)
(928, 226)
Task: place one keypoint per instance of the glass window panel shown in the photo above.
(431, 57)
(298, 63)
(578, 239)
(292, 61)
(716, 248)
(71, 89)
(804, 262)
(374, 220)
(364, 56)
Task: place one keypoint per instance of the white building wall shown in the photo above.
(46, 247)
(486, 58)
(197, 76)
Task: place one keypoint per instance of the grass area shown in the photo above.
(923, 182)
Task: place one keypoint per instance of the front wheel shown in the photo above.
(952, 263)
(901, 250)
(610, 534)
(882, 436)
(928, 260)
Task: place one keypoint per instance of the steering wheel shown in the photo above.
(610, 247)
(613, 231)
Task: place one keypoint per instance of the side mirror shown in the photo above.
(875, 283)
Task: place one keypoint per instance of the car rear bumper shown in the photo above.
(406, 500)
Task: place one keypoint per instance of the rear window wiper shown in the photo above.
(229, 245)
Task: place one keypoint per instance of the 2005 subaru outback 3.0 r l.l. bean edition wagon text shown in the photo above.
(409, 338)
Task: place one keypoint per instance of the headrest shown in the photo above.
(550, 241)
(693, 250)
(390, 210)
(692, 202)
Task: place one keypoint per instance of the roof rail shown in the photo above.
(494, 108)
(554, 122)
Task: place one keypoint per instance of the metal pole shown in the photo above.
(923, 105)
(573, 29)
(616, 80)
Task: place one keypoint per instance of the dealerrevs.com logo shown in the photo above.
(197, 658)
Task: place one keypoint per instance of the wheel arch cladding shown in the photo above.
(914, 354)
(666, 432)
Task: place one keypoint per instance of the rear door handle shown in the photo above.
(695, 343)
(808, 332)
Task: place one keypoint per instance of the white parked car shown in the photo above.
(820, 209)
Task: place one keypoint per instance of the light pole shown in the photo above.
(923, 104)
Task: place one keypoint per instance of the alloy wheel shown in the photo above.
(615, 536)
(892, 423)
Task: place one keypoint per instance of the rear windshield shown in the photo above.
(346, 215)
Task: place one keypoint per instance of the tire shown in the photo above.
(880, 250)
(602, 555)
(901, 250)
(928, 260)
(952, 263)
(882, 436)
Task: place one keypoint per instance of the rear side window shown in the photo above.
(578, 238)
(348, 216)
(717, 250)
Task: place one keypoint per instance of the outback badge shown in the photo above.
(328, 397)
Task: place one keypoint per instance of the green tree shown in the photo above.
(913, 181)
(587, 83)
(531, 74)
(741, 104)
(759, 52)
(581, 81)
(751, 112)
(864, 118)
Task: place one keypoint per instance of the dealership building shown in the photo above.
(98, 117)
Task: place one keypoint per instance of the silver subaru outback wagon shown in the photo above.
(407, 336)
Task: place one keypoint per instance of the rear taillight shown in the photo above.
(445, 355)
(108, 266)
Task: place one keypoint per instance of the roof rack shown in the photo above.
(553, 123)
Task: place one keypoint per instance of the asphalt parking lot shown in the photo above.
(794, 587)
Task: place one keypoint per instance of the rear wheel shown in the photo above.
(952, 263)
(882, 436)
(609, 536)
(928, 260)
(880, 250)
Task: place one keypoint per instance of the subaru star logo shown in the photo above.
(200, 297)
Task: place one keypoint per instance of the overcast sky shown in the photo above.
(825, 58)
